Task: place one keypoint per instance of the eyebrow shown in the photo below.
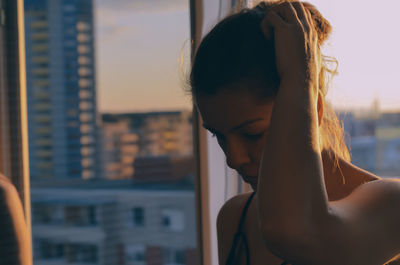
(236, 127)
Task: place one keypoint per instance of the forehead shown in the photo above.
(228, 109)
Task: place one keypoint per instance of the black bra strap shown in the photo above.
(243, 217)
(240, 234)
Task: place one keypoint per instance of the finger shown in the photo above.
(287, 12)
(301, 12)
(270, 21)
(309, 18)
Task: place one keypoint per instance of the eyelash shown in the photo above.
(249, 136)
(254, 136)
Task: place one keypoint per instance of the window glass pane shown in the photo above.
(366, 95)
(110, 132)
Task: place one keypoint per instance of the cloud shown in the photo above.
(111, 25)
(144, 5)
(114, 17)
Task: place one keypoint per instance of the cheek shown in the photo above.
(257, 148)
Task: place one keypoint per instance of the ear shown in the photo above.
(320, 108)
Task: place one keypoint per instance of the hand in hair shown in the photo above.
(296, 43)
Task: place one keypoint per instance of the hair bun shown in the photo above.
(322, 25)
(262, 7)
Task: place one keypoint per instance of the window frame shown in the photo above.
(212, 174)
(14, 162)
(14, 157)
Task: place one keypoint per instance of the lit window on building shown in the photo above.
(82, 37)
(85, 151)
(87, 140)
(84, 94)
(42, 130)
(39, 24)
(82, 49)
(84, 71)
(40, 47)
(84, 82)
(39, 36)
(84, 60)
(82, 26)
(87, 162)
(41, 83)
(85, 117)
(41, 94)
(85, 105)
(86, 128)
(88, 174)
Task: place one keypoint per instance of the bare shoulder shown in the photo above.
(379, 196)
(227, 223)
(371, 220)
(387, 189)
(232, 207)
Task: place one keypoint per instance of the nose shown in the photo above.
(236, 154)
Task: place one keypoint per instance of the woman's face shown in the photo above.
(240, 122)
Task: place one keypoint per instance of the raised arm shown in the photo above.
(295, 217)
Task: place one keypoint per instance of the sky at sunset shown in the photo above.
(139, 43)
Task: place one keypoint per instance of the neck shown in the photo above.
(342, 177)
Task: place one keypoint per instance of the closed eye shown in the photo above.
(254, 136)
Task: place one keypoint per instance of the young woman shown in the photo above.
(258, 81)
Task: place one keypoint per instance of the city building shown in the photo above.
(363, 152)
(61, 88)
(374, 141)
(148, 135)
(388, 150)
(106, 222)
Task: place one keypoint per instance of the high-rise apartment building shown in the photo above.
(61, 87)
(103, 222)
(153, 136)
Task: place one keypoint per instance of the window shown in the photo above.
(84, 60)
(172, 256)
(47, 214)
(80, 215)
(138, 218)
(83, 26)
(83, 49)
(46, 250)
(83, 71)
(87, 212)
(82, 253)
(82, 37)
(173, 220)
(84, 83)
(135, 254)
